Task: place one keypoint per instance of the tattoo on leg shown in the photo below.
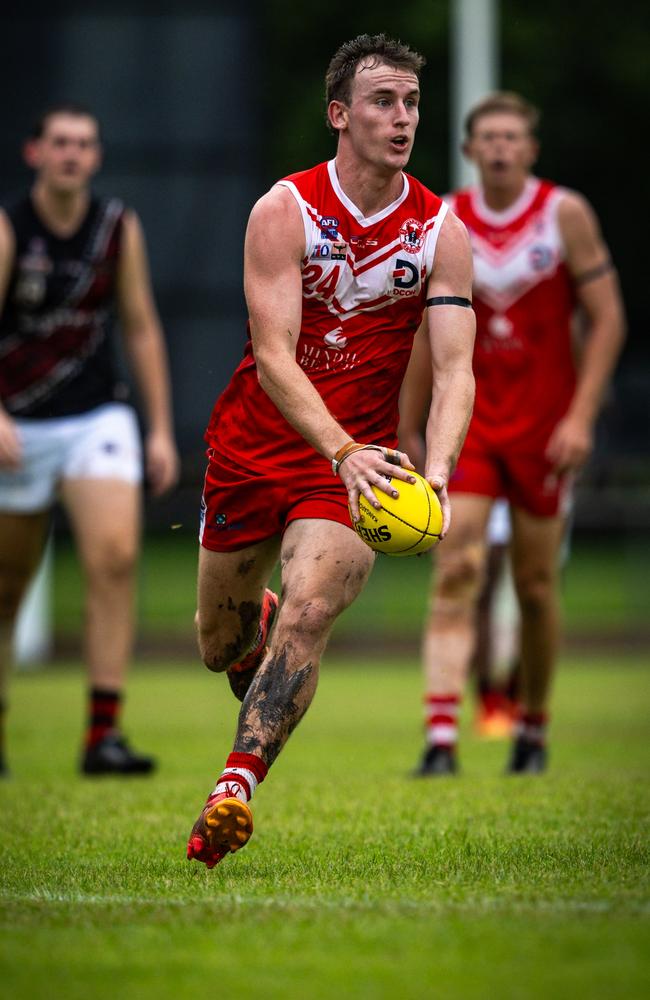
(276, 702)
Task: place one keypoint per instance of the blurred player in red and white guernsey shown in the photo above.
(538, 255)
(340, 262)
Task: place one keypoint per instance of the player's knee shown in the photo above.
(213, 657)
(308, 621)
(536, 591)
(218, 652)
(112, 561)
(459, 576)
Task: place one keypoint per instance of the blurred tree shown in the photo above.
(299, 50)
(587, 70)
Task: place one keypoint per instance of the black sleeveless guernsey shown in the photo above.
(56, 357)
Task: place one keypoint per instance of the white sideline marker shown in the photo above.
(32, 643)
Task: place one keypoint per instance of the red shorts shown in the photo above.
(241, 507)
(527, 481)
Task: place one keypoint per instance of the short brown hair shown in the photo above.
(73, 108)
(503, 101)
(344, 62)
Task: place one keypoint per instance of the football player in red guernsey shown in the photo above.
(341, 262)
(538, 255)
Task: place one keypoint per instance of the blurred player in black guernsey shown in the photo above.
(68, 261)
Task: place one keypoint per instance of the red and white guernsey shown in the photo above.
(364, 285)
(524, 302)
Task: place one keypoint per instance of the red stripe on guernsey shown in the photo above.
(250, 762)
(313, 214)
(373, 304)
(381, 256)
(464, 208)
(369, 264)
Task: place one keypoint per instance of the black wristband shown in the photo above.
(449, 300)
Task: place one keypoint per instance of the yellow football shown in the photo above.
(405, 526)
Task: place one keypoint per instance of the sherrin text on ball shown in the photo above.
(404, 526)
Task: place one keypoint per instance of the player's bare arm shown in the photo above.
(415, 397)
(452, 328)
(146, 350)
(599, 294)
(274, 250)
(9, 443)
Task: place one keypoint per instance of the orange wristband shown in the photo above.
(342, 453)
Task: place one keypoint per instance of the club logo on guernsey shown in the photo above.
(541, 257)
(411, 235)
(335, 339)
(500, 326)
(33, 269)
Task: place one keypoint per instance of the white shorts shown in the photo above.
(101, 444)
(499, 528)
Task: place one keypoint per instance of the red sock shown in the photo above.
(492, 701)
(103, 711)
(531, 726)
(241, 776)
(442, 719)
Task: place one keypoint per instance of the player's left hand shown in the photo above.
(438, 482)
(161, 463)
(570, 444)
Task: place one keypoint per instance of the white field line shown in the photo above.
(363, 905)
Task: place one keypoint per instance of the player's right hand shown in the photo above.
(162, 462)
(10, 447)
(373, 467)
(438, 482)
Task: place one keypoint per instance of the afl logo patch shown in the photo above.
(411, 235)
(329, 227)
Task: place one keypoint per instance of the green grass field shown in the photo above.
(605, 592)
(359, 882)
